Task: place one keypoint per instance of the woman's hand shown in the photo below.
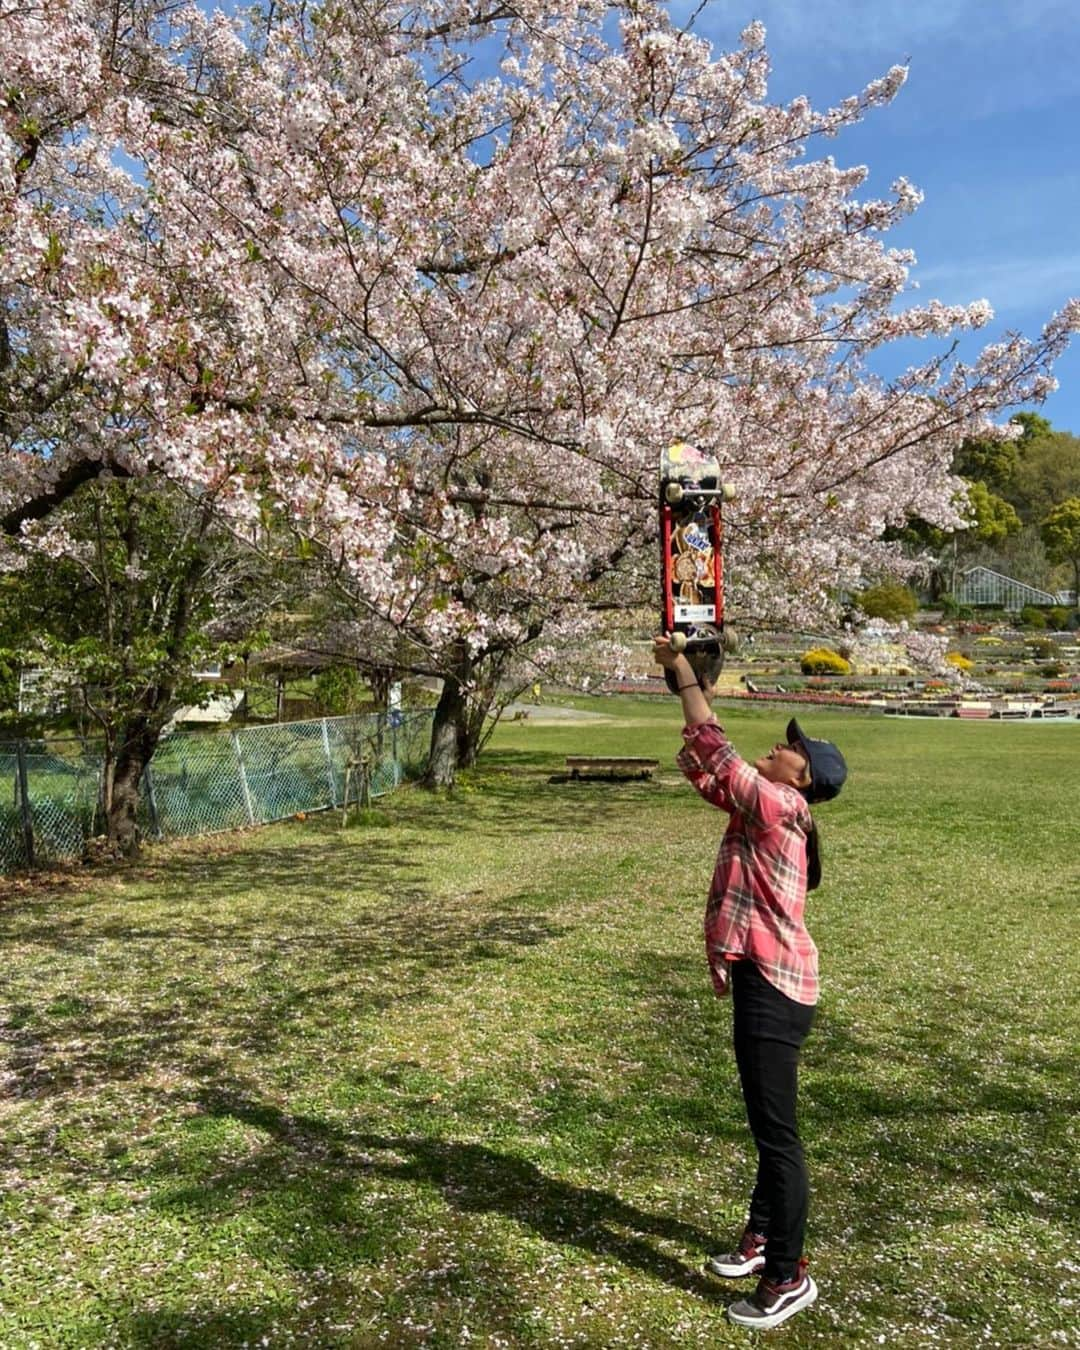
(696, 698)
(663, 654)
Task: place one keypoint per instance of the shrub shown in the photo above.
(1053, 670)
(959, 662)
(822, 661)
(1042, 648)
(951, 609)
(1059, 687)
(1057, 616)
(340, 690)
(1033, 617)
(935, 686)
(988, 642)
(889, 600)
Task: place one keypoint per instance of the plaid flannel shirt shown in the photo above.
(758, 891)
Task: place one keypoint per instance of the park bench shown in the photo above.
(604, 766)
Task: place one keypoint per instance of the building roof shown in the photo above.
(984, 586)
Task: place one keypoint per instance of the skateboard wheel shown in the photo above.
(674, 493)
(678, 642)
(727, 491)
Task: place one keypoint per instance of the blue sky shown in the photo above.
(987, 126)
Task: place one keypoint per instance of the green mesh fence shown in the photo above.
(198, 783)
(57, 812)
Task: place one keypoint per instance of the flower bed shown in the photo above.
(806, 696)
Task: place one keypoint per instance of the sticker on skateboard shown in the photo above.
(691, 556)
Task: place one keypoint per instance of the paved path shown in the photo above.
(552, 712)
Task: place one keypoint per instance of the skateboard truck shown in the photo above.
(676, 492)
(677, 642)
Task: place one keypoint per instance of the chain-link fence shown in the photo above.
(197, 782)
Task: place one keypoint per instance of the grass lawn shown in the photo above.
(454, 1076)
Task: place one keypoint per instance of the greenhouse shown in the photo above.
(983, 586)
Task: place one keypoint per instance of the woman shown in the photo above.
(759, 950)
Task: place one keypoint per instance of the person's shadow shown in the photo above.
(478, 1179)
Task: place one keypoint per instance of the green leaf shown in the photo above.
(54, 253)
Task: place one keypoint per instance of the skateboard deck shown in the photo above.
(691, 557)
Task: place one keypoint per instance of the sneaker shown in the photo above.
(770, 1304)
(747, 1259)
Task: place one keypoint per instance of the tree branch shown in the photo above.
(73, 477)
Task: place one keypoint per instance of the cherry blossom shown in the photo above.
(437, 284)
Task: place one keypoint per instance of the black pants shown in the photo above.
(769, 1029)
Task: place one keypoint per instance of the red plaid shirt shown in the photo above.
(758, 890)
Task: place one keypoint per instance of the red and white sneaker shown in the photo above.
(747, 1259)
(772, 1303)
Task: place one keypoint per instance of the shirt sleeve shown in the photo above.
(704, 758)
(713, 766)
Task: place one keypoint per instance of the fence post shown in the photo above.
(243, 778)
(151, 802)
(395, 720)
(394, 716)
(24, 802)
(329, 761)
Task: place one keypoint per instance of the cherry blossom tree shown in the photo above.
(148, 589)
(440, 280)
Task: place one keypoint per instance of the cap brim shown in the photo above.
(795, 733)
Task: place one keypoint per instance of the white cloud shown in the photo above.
(1010, 284)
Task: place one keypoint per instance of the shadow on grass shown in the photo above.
(203, 1327)
(282, 970)
(944, 1102)
(964, 1094)
(312, 1177)
(471, 1178)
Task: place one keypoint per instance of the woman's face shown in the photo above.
(785, 764)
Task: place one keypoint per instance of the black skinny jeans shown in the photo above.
(769, 1029)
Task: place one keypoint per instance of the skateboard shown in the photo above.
(692, 560)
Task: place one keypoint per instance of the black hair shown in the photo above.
(813, 859)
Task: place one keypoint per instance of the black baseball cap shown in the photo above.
(827, 767)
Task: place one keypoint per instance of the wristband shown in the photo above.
(695, 685)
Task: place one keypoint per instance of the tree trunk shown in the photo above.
(379, 679)
(443, 758)
(138, 740)
(474, 715)
(466, 739)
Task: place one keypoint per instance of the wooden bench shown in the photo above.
(603, 766)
